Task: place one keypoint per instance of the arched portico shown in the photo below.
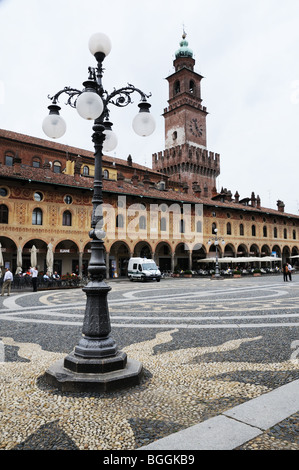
(84, 258)
(66, 257)
(118, 259)
(242, 250)
(295, 257)
(254, 250)
(295, 251)
(286, 254)
(212, 251)
(9, 254)
(143, 249)
(182, 257)
(229, 251)
(41, 252)
(198, 253)
(265, 251)
(163, 256)
(276, 251)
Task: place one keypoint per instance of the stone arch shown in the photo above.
(242, 250)
(86, 253)
(41, 249)
(212, 250)
(177, 87)
(265, 251)
(254, 250)
(143, 249)
(66, 257)
(199, 252)
(276, 249)
(163, 256)
(295, 251)
(286, 254)
(9, 253)
(119, 256)
(181, 256)
(229, 250)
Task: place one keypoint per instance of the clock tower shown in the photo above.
(185, 158)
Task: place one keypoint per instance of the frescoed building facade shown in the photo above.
(168, 212)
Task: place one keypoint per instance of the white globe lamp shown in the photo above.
(54, 125)
(144, 123)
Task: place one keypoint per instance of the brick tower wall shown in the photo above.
(189, 164)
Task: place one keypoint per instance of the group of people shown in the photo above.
(32, 272)
(8, 278)
(287, 272)
(48, 278)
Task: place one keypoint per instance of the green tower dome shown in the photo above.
(184, 50)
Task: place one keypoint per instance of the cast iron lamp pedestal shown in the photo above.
(96, 364)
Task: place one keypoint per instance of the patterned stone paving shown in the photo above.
(206, 346)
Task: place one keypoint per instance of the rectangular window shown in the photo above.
(8, 160)
(67, 218)
(3, 214)
(37, 217)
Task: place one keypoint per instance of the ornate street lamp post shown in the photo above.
(216, 240)
(96, 363)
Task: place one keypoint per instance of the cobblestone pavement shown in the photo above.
(206, 346)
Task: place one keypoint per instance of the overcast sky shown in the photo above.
(247, 50)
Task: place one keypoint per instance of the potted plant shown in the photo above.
(237, 273)
(257, 272)
(176, 272)
(188, 273)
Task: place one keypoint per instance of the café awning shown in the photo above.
(241, 259)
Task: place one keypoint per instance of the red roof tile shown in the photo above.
(48, 177)
(48, 144)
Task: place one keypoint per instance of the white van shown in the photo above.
(143, 269)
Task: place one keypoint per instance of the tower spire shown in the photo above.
(184, 50)
(186, 127)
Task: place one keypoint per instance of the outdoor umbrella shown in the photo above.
(49, 259)
(19, 260)
(33, 257)
(226, 260)
(206, 260)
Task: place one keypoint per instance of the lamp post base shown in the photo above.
(75, 374)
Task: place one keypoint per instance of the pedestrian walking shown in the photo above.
(34, 273)
(290, 269)
(285, 272)
(7, 280)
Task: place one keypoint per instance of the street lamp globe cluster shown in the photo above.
(92, 102)
(96, 362)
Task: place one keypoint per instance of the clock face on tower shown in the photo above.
(195, 128)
